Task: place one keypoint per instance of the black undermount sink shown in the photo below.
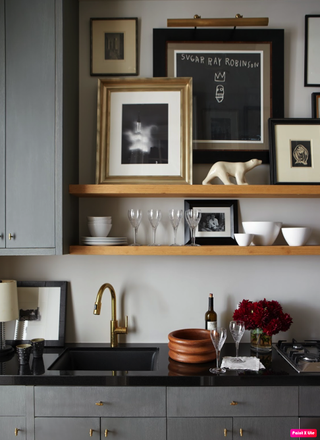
(106, 359)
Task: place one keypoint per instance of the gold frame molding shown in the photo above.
(113, 94)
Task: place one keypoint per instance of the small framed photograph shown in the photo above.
(294, 151)
(315, 97)
(114, 46)
(144, 130)
(218, 223)
(311, 51)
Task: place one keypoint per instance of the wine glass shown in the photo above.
(218, 337)
(135, 216)
(154, 216)
(175, 216)
(193, 217)
(237, 329)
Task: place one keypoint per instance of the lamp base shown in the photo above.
(4, 351)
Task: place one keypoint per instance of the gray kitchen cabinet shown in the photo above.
(38, 125)
(232, 412)
(52, 428)
(13, 420)
(309, 401)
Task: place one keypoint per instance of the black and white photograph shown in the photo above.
(218, 222)
(114, 45)
(144, 134)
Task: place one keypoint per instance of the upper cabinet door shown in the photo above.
(2, 126)
(30, 74)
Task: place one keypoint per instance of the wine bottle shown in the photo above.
(210, 317)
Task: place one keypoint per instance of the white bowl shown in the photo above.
(99, 220)
(296, 236)
(265, 233)
(99, 230)
(243, 239)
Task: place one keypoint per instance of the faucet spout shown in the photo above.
(114, 329)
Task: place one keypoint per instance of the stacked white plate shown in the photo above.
(104, 241)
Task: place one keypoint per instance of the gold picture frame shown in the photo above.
(113, 46)
(144, 130)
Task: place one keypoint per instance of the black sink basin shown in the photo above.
(107, 359)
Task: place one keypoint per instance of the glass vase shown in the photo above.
(260, 341)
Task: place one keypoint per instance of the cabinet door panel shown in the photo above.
(219, 428)
(30, 123)
(2, 125)
(13, 400)
(51, 428)
(309, 401)
(264, 428)
(8, 425)
(134, 428)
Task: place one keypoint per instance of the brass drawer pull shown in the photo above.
(106, 433)
(16, 431)
(91, 432)
(241, 432)
(99, 403)
(11, 236)
(233, 403)
(225, 432)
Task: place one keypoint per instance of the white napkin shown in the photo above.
(249, 363)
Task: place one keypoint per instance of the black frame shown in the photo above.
(232, 204)
(306, 52)
(162, 36)
(62, 315)
(273, 148)
(315, 104)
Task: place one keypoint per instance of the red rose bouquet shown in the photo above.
(266, 315)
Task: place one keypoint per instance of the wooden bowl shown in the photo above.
(191, 345)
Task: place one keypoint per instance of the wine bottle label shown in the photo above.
(211, 325)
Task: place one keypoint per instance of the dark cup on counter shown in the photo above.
(24, 351)
(37, 347)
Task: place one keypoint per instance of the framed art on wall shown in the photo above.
(113, 46)
(144, 130)
(238, 81)
(315, 103)
(218, 222)
(311, 51)
(294, 151)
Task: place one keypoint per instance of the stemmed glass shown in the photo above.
(154, 216)
(237, 329)
(175, 216)
(218, 337)
(135, 216)
(193, 217)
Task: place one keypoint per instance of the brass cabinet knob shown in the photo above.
(233, 403)
(16, 431)
(106, 433)
(11, 236)
(241, 432)
(91, 432)
(99, 403)
(225, 432)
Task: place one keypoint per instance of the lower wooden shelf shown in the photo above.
(195, 250)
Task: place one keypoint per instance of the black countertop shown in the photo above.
(167, 372)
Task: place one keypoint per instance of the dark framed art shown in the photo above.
(42, 313)
(294, 151)
(218, 223)
(113, 46)
(311, 51)
(144, 130)
(238, 78)
(315, 105)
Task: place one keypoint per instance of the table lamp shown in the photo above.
(9, 311)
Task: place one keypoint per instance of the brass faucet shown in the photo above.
(114, 329)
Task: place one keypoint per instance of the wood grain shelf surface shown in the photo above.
(205, 191)
(195, 250)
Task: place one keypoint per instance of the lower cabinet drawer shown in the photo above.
(11, 427)
(309, 401)
(232, 401)
(134, 428)
(219, 428)
(13, 400)
(100, 401)
(52, 428)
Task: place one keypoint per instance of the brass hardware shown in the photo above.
(11, 236)
(91, 432)
(197, 21)
(225, 432)
(16, 431)
(114, 329)
(106, 433)
(99, 403)
(233, 403)
(241, 432)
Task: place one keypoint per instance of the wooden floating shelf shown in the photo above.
(195, 250)
(203, 191)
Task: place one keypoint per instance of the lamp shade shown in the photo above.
(9, 310)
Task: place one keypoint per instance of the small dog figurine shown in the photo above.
(223, 170)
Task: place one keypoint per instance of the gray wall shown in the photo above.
(161, 294)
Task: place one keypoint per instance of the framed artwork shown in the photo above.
(42, 313)
(311, 51)
(113, 46)
(315, 104)
(294, 151)
(144, 130)
(238, 78)
(218, 223)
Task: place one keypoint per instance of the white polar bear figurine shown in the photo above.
(223, 170)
